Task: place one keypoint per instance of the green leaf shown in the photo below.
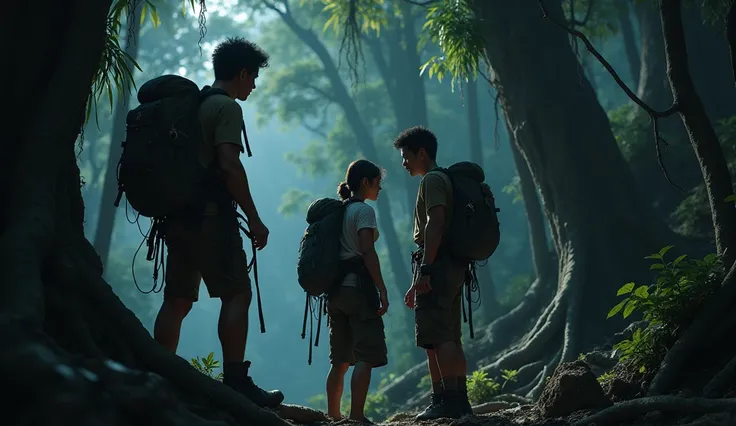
(642, 291)
(731, 198)
(625, 289)
(630, 308)
(656, 266)
(679, 259)
(664, 250)
(616, 309)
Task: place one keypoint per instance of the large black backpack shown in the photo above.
(473, 233)
(319, 267)
(159, 169)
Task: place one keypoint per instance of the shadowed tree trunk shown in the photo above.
(705, 332)
(106, 216)
(398, 62)
(600, 225)
(703, 138)
(59, 320)
(708, 60)
(490, 307)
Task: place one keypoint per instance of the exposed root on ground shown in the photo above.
(726, 377)
(500, 333)
(631, 409)
(532, 348)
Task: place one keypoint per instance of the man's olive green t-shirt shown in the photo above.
(221, 119)
(435, 189)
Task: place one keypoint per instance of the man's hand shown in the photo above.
(410, 297)
(422, 285)
(260, 234)
(384, 303)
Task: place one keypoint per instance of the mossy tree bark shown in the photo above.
(600, 224)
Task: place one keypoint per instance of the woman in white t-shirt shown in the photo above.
(355, 309)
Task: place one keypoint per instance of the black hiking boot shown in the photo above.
(238, 379)
(445, 405)
(434, 410)
(448, 406)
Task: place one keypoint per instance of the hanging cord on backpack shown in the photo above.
(253, 265)
(470, 286)
(156, 252)
(310, 311)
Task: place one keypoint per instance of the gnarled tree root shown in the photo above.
(169, 366)
(636, 407)
(534, 347)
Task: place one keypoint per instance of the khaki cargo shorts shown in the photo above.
(356, 330)
(210, 250)
(438, 314)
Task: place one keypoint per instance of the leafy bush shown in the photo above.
(482, 388)
(207, 366)
(668, 306)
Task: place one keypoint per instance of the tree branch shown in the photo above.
(654, 115)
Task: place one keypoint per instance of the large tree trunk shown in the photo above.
(707, 148)
(490, 306)
(399, 70)
(600, 226)
(106, 212)
(709, 62)
(59, 320)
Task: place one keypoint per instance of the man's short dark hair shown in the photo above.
(234, 54)
(416, 138)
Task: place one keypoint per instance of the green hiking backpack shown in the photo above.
(318, 262)
(319, 267)
(473, 233)
(159, 169)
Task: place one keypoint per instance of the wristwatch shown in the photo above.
(426, 270)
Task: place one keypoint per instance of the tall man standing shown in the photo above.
(207, 244)
(435, 294)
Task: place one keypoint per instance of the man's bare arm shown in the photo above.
(370, 256)
(228, 157)
(433, 233)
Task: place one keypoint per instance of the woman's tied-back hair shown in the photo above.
(357, 171)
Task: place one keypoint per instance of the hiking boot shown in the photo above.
(449, 407)
(433, 409)
(238, 379)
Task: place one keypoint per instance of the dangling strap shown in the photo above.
(245, 138)
(254, 266)
(309, 311)
(470, 285)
